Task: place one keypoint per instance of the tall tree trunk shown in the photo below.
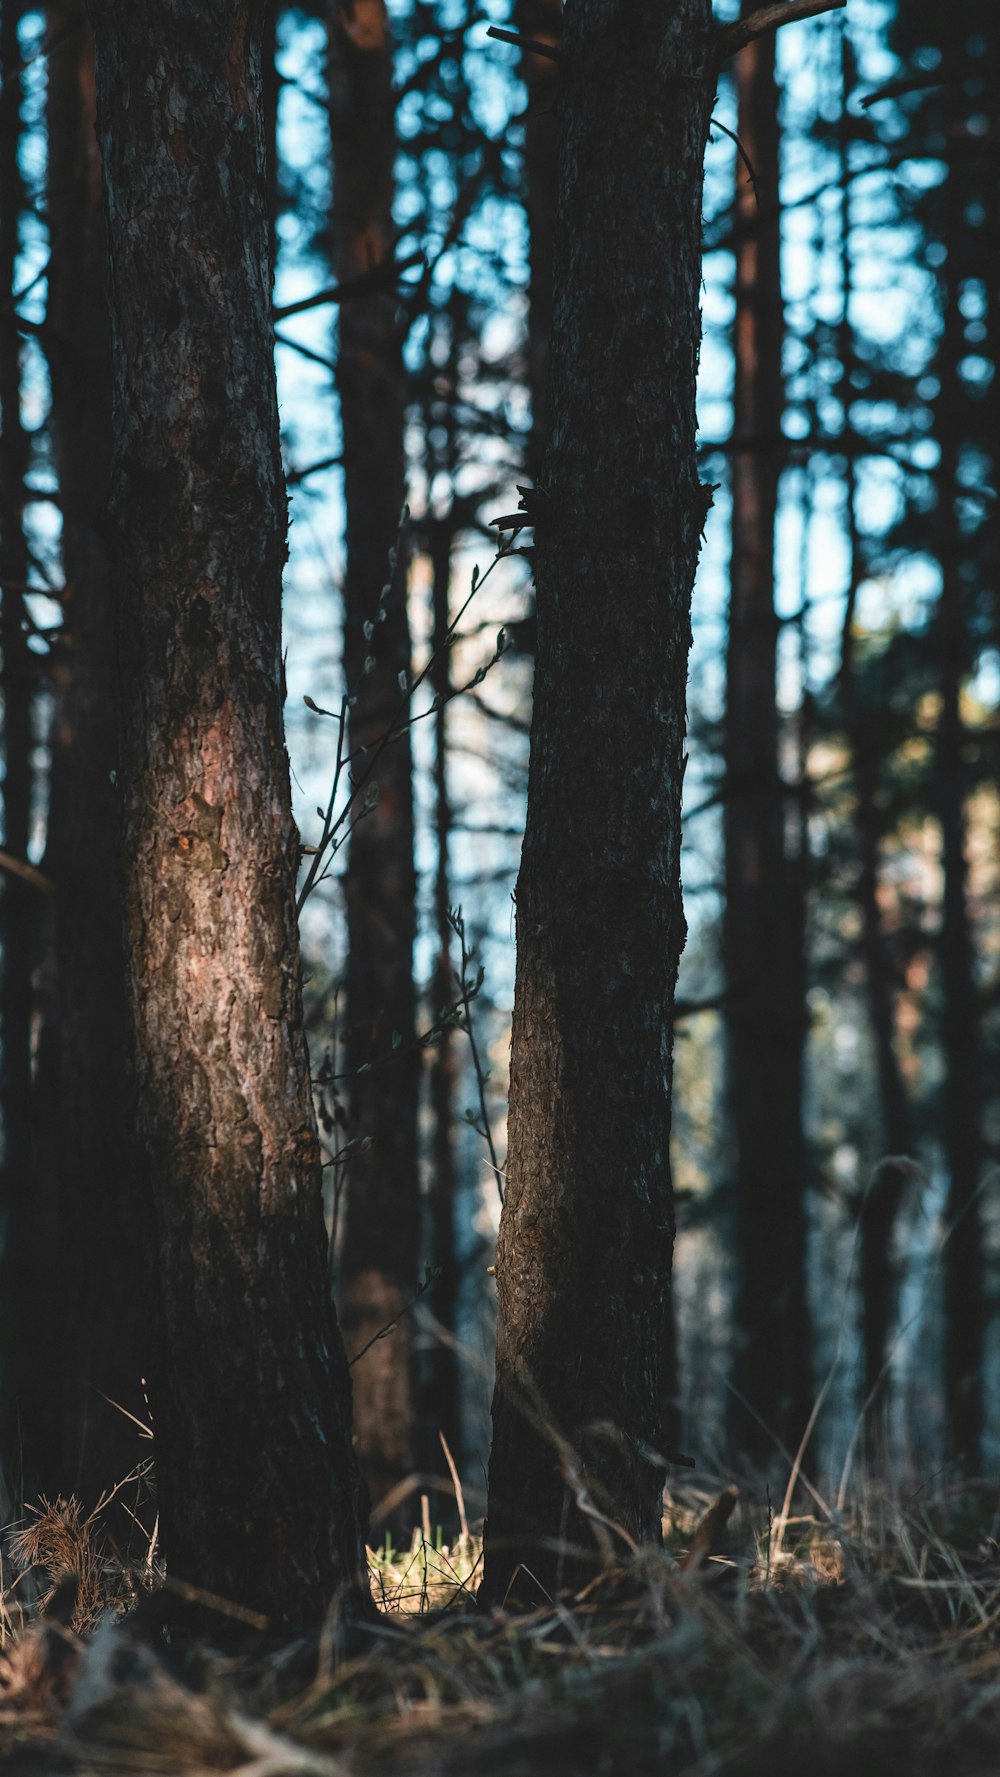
(250, 1390)
(271, 89)
(94, 1323)
(541, 22)
(442, 1406)
(962, 1106)
(586, 1235)
(884, 1193)
(763, 920)
(380, 1251)
(18, 909)
(965, 1332)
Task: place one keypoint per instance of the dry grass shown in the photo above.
(860, 1643)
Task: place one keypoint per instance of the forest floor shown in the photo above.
(864, 1641)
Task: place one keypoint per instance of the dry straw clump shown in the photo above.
(860, 1642)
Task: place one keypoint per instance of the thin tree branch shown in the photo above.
(735, 37)
(431, 1275)
(550, 50)
(281, 339)
(380, 277)
(293, 477)
(46, 47)
(915, 83)
(744, 156)
(27, 872)
(470, 991)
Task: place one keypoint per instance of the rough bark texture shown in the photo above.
(442, 1396)
(94, 1325)
(762, 922)
(541, 21)
(586, 1236)
(380, 1252)
(251, 1398)
(22, 1259)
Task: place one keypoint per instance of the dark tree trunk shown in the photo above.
(442, 1404)
(962, 1087)
(271, 93)
(883, 1195)
(93, 1328)
(18, 908)
(964, 1335)
(583, 1261)
(541, 21)
(763, 919)
(250, 1390)
(379, 1256)
(964, 1306)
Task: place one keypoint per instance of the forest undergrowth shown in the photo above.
(861, 1641)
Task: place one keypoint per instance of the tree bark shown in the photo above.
(962, 1101)
(250, 1391)
(763, 916)
(94, 1327)
(586, 1236)
(964, 1309)
(381, 1244)
(883, 1195)
(23, 1261)
(442, 1405)
(541, 22)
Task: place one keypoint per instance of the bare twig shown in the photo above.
(456, 1483)
(744, 156)
(295, 345)
(27, 872)
(293, 477)
(431, 1275)
(470, 990)
(380, 277)
(321, 856)
(550, 51)
(46, 46)
(733, 38)
(223, 1607)
(915, 83)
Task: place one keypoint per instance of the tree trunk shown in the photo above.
(442, 1406)
(763, 918)
(586, 1236)
(964, 1334)
(22, 1257)
(380, 1252)
(250, 1391)
(541, 21)
(883, 1195)
(271, 95)
(964, 1306)
(94, 1325)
